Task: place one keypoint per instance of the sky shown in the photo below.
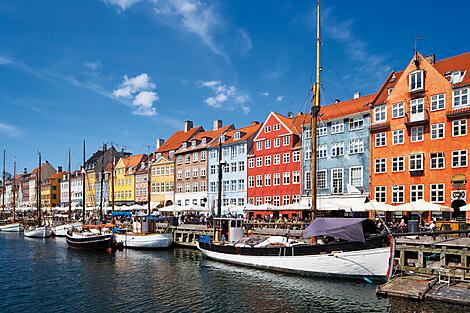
(131, 71)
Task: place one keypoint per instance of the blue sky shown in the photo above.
(131, 71)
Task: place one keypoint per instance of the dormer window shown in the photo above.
(236, 136)
(456, 77)
(416, 80)
(204, 141)
(185, 145)
(267, 129)
(130, 169)
(222, 138)
(276, 127)
(389, 90)
(193, 143)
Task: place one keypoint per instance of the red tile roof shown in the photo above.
(58, 175)
(245, 133)
(177, 139)
(345, 108)
(211, 135)
(133, 160)
(37, 168)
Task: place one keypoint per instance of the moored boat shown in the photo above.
(38, 232)
(61, 230)
(86, 240)
(12, 228)
(145, 241)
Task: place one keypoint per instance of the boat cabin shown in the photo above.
(141, 223)
(228, 229)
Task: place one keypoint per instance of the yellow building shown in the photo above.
(90, 188)
(50, 190)
(163, 179)
(124, 182)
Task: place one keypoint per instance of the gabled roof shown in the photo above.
(58, 175)
(346, 108)
(212, 135)
(291, 124)
(245, 133)
(132, 161)
(177, 139)
(42, 166)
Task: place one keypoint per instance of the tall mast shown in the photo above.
(149, 185)
(38, 188)
(219, 180)
(315, 112)
(112, 178)
(3, 179)
(83, 184)
(14, 190)
(70, 190)
(101, 186)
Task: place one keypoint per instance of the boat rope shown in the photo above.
(358, 264)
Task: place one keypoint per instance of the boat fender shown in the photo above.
(368, 280)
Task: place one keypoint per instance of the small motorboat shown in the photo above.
(12, 228)
(145, 241)
(88, 240)
(38, 232)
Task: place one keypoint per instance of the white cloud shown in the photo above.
(5, 60)
(122, 4)
(9, 130)
(194, 17)
(93, 65)
(224, 94)
(244, 42)
(246, 109)
(279, 98)
(242, 98)
(139, 90)
(265, 93)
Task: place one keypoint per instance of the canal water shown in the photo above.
(43, 275)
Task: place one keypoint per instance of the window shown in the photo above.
(437, 193)
(356, 123)
(233, 185)
(277, 159)
(195, 185)
(380, 165)
(355, 176)
(322, 131)
(285, 200)
(337, 180)
(195, 157)
(241, 150)
(337, 127)
(356, 146)
(233, 167)
(398, 164)
(437, 160)
(259, 162)
(213, 170)
(234, 152)
(179, 188)
(398, 110)
(308, 180)
(380, 193)
(337, 149)
(259, 200)
(380, 114)
(398, 194)
(276, 200)
(251, 181)
(213, 187)
(437, 131)
(398, 137)
(195, 172)
(416, 162)
(308, 133)
(251, 200)
(380, 139)
(286, 140)
(276, 127)
(267, 144)
(259, 145)
(241, 184)
(322, 152)
(277, 142)
(286, 178)
(267, 180)
(321, 180)
(188, 187)
(286, 158)
(417, 134)
(267, 200)
(459, 158)
(295, 198)
(296, 177)
(416, 80)
(459, 128)
(241, 166)
(267, 160)
(236, 136)
(179, 175)
(296, 156)
(417, 108)
(267, 129)
(460, 98)
(251, 163)
(187, 158)
(416, 192)
(276, 179)
(438, 102)
(179, 159)
(187, 174)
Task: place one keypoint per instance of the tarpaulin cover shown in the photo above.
(122, 214)
(349, 229)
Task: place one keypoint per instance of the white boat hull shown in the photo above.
(354, 264)
(147, 241)
(38, 232)
(12, 228)
(61, 230)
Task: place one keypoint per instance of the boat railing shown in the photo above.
(278, 225)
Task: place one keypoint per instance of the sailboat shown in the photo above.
(39, 230)
(14, 226)
(85, 239)
(143, 235)
(61, 230)
(355, 255)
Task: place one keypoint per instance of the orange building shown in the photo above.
(419, 133)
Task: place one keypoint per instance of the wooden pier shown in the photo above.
(187, 234)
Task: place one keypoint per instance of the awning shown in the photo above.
(349, 229)
(373, 205)
(341, 202)
(424, 206)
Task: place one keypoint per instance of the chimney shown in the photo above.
(25, 170)
(357, 94)
(289, 114)
(254, 123)
(188, 125)
(159, 143)
(431, 58)
(337, 101)
(216, 124)
(59, 169)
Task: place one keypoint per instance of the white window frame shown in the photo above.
(398, 110)
(460, 98)
(356, 123)
(398, 194)
(398, 134)
(414, 83)
(337, 127)
(415, 157)
(333, 171)
(438, 102)
(337, 149)
(380, 139)
(322, 131)
(439, 190)
(356, 146)
(399, 160)
(438, 156)
(361, 184)
(417, 134)
(380, 165)
(418, 188)
(380, 191)
(458, 154)
(461, 126)
(380, 114)
(435, 130)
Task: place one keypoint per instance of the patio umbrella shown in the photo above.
(424, 206)
(465, 208)
(373, 205)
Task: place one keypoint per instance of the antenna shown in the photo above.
(417, 37)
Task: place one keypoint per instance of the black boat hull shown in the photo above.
(97, 242)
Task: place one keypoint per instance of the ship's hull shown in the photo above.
(38, 232)
(89, 242)
(61, 230)
(12, 228)
(147, 241)
(370, 263)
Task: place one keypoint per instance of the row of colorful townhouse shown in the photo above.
(406, 142)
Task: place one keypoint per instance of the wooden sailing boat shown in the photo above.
(87, 239)
(356, 256)
(14, 226)
(143, 235)
(39, 230)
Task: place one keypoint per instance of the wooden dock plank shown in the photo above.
(410, 287)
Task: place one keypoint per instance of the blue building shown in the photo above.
(342, 154)
(235, 146)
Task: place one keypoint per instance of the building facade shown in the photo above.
(419, 133)
(124, 179)
(50, 189)
(141, 181)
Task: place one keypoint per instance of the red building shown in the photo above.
(274, 163)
